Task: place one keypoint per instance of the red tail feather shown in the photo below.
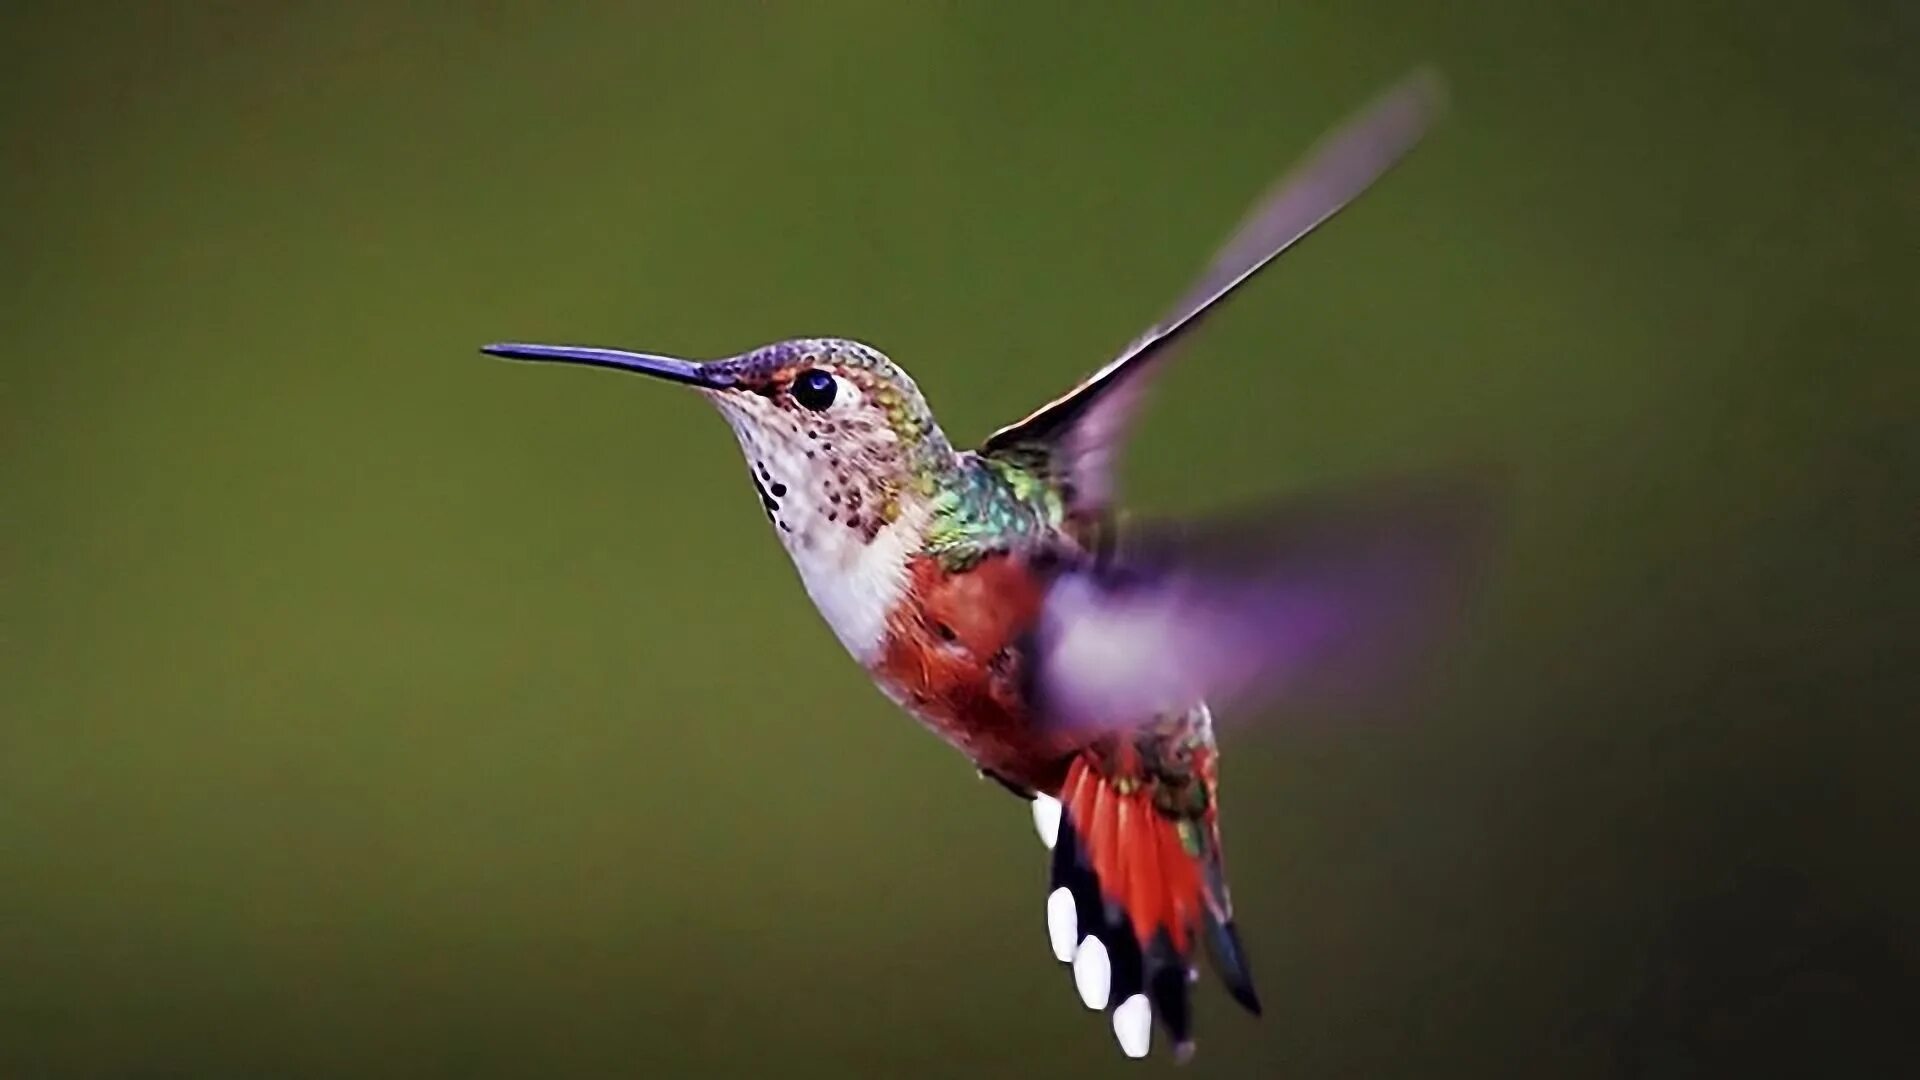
(1135, 851)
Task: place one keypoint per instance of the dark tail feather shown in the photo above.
(1230, 960)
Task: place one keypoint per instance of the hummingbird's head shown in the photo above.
(836, 436)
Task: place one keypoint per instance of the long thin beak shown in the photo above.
(660, 367)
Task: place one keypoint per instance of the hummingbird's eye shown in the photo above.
(814, 389)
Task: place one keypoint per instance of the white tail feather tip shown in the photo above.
(1046, 819)
(1133, 1026)
(1063, 924)
(1092, 972)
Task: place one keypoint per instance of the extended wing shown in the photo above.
(1324, 595)
(1077, 434)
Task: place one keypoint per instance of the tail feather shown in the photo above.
(1230, 960)
(1137, 850)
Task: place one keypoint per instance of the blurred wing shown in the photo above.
(1080, 430)
(1324, 595)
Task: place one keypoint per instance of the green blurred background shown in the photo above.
(374, 708)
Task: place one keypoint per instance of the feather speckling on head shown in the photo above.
(896, 418)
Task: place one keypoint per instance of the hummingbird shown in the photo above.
(995, 595)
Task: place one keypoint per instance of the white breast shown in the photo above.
(855, 584)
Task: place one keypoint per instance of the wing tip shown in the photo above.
(1427, 86)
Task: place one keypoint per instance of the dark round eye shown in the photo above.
(814, 389)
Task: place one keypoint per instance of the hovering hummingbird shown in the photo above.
(992, 594)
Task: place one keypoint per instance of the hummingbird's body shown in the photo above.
(931, 565)
(991, 595)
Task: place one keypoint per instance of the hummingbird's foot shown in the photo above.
(1017, 789)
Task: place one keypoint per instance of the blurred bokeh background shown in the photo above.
(373, 708)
